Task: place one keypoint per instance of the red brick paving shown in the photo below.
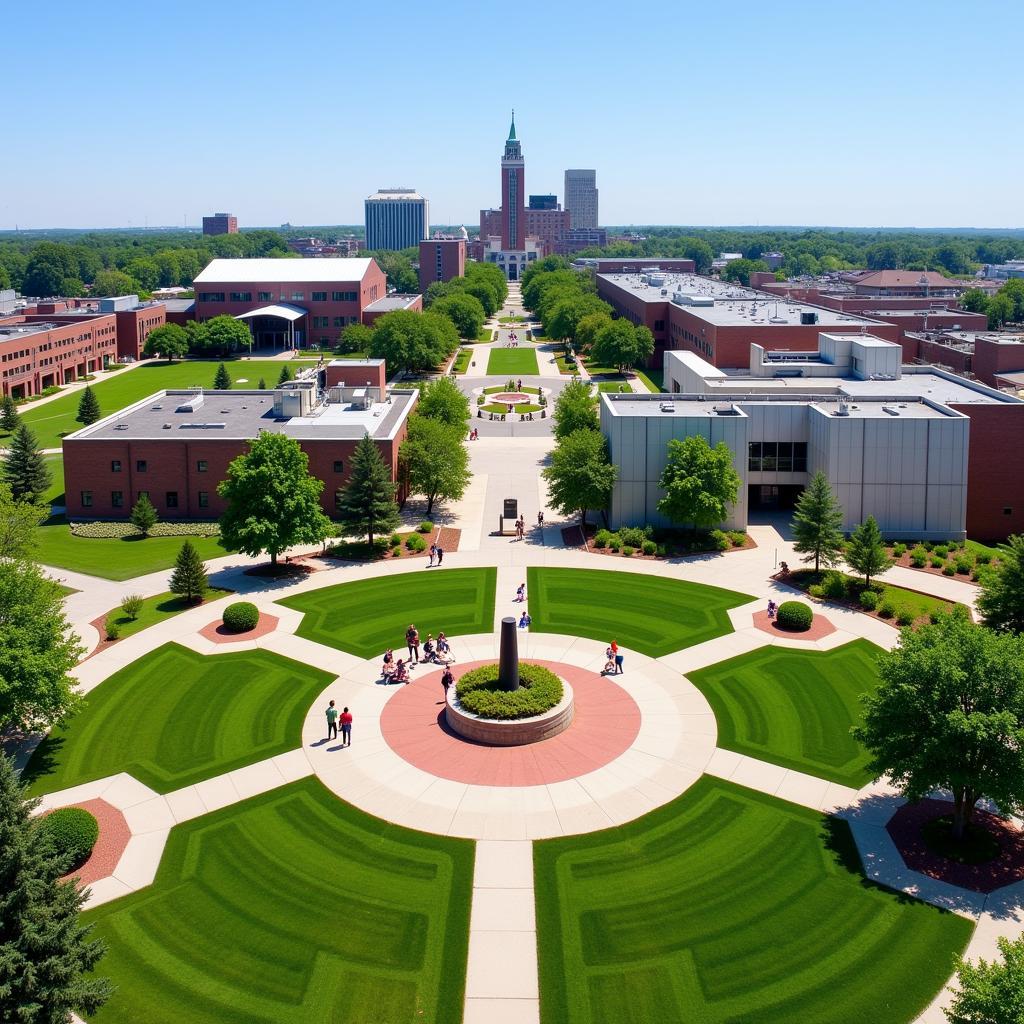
(218, 633)
(114, 836)
(605, 725)
(905, 829)
(820, 626)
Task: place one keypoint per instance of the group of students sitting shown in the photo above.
(436, 653)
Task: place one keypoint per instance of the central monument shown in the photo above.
(508, 658)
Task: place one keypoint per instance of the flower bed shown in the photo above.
(478, 693)
(645, 542)
(967, 561)
(119, 530)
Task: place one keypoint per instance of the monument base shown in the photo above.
(515, 732)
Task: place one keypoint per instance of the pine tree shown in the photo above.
(262, 384)
(222, 381)
(865, 553)
(189, 577)
(286, 375)
(367, 502)
(46, 956)
(144, 515)
(817, 524)
(9, 418)
(88, 407)
(25, 468)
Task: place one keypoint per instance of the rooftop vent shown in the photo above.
(667, 407)
(890, 410)
(843, 410)
(120, 426)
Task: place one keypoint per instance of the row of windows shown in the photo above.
(269, 297)
(170, 498)
(777, 457)
(141, 465)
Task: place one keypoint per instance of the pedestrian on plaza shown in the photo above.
(433, 555)
(540, 518)
(446, 680)
(401, 674)
(521, 593)
(524, 620)
(618, 663)
(412, 641)
(346, 728)
(440, 554)
(772, 609)
(332, 721)
(519, 384)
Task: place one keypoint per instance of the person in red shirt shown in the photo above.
(346, 728)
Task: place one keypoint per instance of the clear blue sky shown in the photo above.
(903, 112)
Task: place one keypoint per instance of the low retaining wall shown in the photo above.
(514, 732)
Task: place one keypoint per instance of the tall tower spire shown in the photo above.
(512, 130)
(513, 193)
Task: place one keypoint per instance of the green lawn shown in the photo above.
(174, 718)
(115, 558)
(654, 380)
(795, 708)
(296, 908)
(156, 609)
(55, 492)
(728, 906)
(614, 386)
(461, 363)
(520, 362)
(366, 617)
(650, 614)
(51, 421)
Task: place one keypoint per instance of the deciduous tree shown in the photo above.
(366, 504)
(817, 524)
(442, 399)
(224, 335)
(575, 409)
(435, 460)
(580, 476)
(621, 344)
(355, 338)
(990, 992)
(167, 340)
(699, 482)
(464, 311)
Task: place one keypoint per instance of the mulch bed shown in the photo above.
(446, 536)
(904, 561)
(820, 627)
(574, 537)
(905, 829)
(114, 836)
(218, 633)
(100, 625)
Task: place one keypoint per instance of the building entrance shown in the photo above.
(773, 496)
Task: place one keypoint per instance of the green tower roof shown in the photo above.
(512, 130)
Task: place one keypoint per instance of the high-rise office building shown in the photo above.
(220, 224)
(581, 198)
(396, 218)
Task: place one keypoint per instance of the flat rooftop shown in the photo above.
(12, 332)
(241, 415)
(390, 303)
(674, 281)
(299, 271)
(725, 406)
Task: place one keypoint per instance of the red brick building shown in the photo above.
(441, 259)
(220, 224)
(290, 302)
(391, 303)
(996, 354)
(176, 446)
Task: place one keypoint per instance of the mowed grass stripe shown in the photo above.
(521, 362)
(368, 616)
(795, 708)
(649, 614)
(175, 717)
(728, 905)
(292, 907)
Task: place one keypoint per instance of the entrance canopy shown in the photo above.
(283, 310)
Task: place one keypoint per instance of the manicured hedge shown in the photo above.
(478, 692)
(241, 616)
(74, 832)
(118, 530)
(795, 615)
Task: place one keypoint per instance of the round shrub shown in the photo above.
(795, 615)
(426, 526)
(899, 550)
(982, 558)
(948, 569)
(868, 600)
(478, 692)
(414, 542)
(395, 541)
(905, 617)
(649, 547)
(940, 551)
(887, 609)
(719, 540)
(627, 550)
(634, 536)
(816, 590)
(613, 542)
(74, 832)
(737, 538)
(601, 538)
(936, 562)
(834, 585)
(241, 616)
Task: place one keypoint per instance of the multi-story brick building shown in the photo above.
(220, 224)
(176, 446)
(290, 302)
(441, 259)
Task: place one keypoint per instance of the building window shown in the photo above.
(1007, 511)
(201, 466)
(211, 296)
(115, 465)
(659, 325)
(172, 499)
(264, 297)
(140, 465)
(241, 296)
(339, 321)
(86, 497)
(142, 494)
(298, 296)
(344, 296)
(117, 499)
(204, 499)
(339, 466)
(777, 457)
(319, 296)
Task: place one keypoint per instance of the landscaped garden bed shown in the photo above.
(651, 544)
(964, 560)
(405, 544)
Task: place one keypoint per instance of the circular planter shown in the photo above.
(512, 397)
(514, 732)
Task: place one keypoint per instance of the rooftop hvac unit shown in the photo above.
(667, 407)
(808, 317)
(843, 410)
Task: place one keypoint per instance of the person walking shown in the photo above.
(433, 555)
(440, 554)
(521, 593)
(540, 518)
(332, 721)
(618, 663)
(346, 728)
(412, 641)
(446, 681)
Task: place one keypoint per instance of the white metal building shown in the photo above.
(396, 218)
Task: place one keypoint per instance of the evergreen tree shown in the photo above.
(817, 524)
(25, 469)
(222, 381)
(189, 577)
(1001, 601)
(262, 384)
(88, 407)
(367, 502)
(9, 418)
(46, 955)
(865, 553)
(286, 375)
(144, 515)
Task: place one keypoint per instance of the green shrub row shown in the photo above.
(478, 692)
(641, 538)
(119, 530)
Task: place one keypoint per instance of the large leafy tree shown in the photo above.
(435, 460)
(366, 505)
(18, 522)
(588, 329)
(355, 338)
(167, 340)
(47, 956)
(88, 407)
(699, 482)
(949, 714)
(562, 317)
(272, 500)
(189, 579)
(575, 409)
(580, 476)
(224, 335)
(990, 992)
(621, 344)
(25, 469)
(442, 399)
(817, 524)
(413, 341)
(37, 649)
(1001, 601)
(865, 552)
(114, 282)
(464, 311)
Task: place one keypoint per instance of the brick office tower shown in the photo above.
(220, 224)
(513, 193)
(441, 259)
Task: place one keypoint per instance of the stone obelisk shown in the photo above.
(508, 662)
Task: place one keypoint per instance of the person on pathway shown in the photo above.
(618, 664)
(387, 669)
(440, 554)
(412, 641)
(346, 728)
(521, 593)
(429, 652)
(540, 518)
(433, 555)
(446, 680)
(332, 721)
(444, 650)
(519, 384)
(609, 663)
(524, 620)
(772, 608)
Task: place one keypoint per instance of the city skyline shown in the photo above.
(770, 117)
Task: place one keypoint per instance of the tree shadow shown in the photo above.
(44, 760)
